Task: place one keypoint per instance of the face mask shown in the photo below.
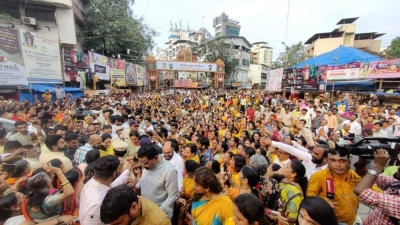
(120, 153)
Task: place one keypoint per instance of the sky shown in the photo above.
(265, 20)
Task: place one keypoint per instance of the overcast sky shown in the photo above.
(265, 20)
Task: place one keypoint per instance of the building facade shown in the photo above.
(345, 35)
(261, 53)
(242, 53)
(58, 19)
(225, 26)
(258, 75)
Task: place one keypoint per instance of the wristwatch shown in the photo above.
(373, 172)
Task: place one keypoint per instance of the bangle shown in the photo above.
(62, 185)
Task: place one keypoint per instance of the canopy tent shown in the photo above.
(26, 93)
(358, 85)
(339, 56)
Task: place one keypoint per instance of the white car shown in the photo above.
(8, 125)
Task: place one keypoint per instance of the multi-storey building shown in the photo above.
(225, 26)
(345, 35)
(261, 53)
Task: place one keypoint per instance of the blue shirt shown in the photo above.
(207, 156)
(80, 153)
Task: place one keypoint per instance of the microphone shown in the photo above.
(330, 188)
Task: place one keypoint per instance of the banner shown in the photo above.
(288, 77)
(99, 65)
(139, 73)
(185, 66)
(12, 70)
(74, 61)
(117, 71)
(144, 77)
(41, 57)
(343, 72)
(322, 74)
(306, 79)
(381, 69)
(130, 74)
(274, 82)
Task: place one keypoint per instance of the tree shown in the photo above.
(394, 49)
(293, 56)
(110, 29)
(211, 50)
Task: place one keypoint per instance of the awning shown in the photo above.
(352, 85)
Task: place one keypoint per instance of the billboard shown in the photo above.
(380, 69)
(185, 66)
(305, 79)
(99, 65)
(130, 74)
(12, 68)
(117, 71)
(74, 61)
(344, 72)
(41, 57)
(288, 77)
(274, 82)
(139, 74)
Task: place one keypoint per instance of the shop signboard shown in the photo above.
(41, 56)
(380, 69)
(343, 72)
(186, 66)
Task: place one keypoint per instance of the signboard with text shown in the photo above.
(186, 66)
(343, 72)
(74, 61)
(12, 68)
(380, 69)
(41, 57)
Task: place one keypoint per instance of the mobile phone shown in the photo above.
(10, 168)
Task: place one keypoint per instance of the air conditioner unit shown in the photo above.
(29, 21)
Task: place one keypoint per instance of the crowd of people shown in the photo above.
(195, 157)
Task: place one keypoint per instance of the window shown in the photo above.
(245, 62)
(232, 31)
(41, 14)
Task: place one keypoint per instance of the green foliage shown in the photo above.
(5, 18)
(110, 29)
(394, 49)
(293, 56)
(210, 51)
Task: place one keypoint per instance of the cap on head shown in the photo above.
(119, 145)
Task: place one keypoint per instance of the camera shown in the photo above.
(365, 147)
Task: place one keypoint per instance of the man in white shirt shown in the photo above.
(392, 114)
(147, 127)
(313, 162)
(355, 127)
(94, 191)
(175, 159)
